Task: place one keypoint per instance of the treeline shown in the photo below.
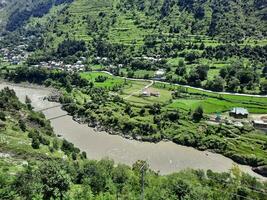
(102, 180)
(70, 47)
(223, 52)
(47, 77)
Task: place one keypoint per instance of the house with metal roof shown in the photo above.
(239, 113)
(260, 124)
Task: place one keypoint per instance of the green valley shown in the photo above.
(147, 88)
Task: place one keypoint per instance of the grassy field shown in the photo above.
(139, 100)
(214, 102)
(109, 82)
(210, 101)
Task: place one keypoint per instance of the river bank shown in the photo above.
(165, 157)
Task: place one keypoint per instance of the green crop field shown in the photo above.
(214, 102)
(109, 82)
(210, 101)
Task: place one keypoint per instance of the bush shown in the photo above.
(22, 125)
(35, 143)
(198, 114)
(2, 116)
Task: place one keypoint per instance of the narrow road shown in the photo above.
(187, 86)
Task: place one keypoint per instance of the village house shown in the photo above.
(149, 92)
(239, 113)
(260, 124)
(159, 73)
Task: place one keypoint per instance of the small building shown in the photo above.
(218, 117)
(145, 93)
(239, 113)
(160, 73)
(149, 92)
(260, 124)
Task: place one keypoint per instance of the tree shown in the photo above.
(120, 176)
(202, 46)
(263, 87)
(128, 109)
(142, 111)
(202, 71)
(181, 68)
(28, 102)
(264, 71)
(198, 114)
(217, 84)
(35, 143)
(2, 116)
(191, 57)
(70, 47)
(193, 79)
(245, 76)
(233, 84)
(22, 125)
(130, 74)
(155, 109)
(96, 174)
(179, 187)
(55, 180)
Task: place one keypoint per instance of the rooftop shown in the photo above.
(239, 111)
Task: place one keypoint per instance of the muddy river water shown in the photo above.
(165, 157)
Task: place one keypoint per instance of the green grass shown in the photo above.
(79, 96)
(213, 102)
(212, 105)
(15, 141)
(97, 67)
(142, 73)
(139, 100)
(110, 82)
(125, 31)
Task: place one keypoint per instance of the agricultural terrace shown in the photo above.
(188, 98)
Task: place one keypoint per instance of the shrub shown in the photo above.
(35, 143)
(198, 114)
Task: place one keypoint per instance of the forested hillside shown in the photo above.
(14, 14)
(231, 20)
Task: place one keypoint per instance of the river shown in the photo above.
(165, 157)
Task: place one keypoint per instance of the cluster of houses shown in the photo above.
(78, 66)
(242, 113)
(15, 55)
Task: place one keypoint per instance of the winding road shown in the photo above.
(185, 86)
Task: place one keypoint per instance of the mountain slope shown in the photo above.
(130, 21)
(14, 14)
